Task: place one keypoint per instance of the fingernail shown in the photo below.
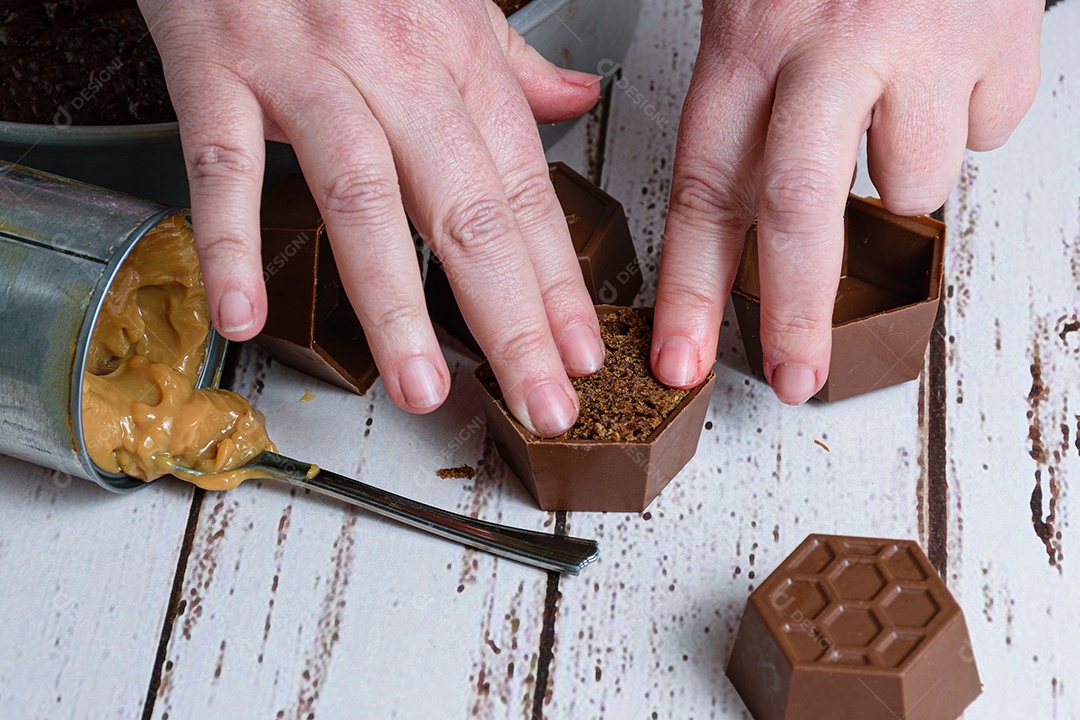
(677, 364)
(421, 384)
(794, 384)
(550, 410)
(582, 350)
(235, 313)
(581, 79)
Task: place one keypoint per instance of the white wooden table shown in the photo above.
(266, 603)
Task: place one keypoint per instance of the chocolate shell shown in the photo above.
(852, 627)
(597, 475)
(310, 324)
(885, 305)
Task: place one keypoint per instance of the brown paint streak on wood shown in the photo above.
(962, 238)
(493, 687)
(1074, 260)
(546, 653)
(1045, 529)
(284, 522)
(317, 662)
(1036, 396)
(161, 678)
(1070, 326)
(485, 485)
(921, 487)
(937, 483)
(220, 662)
(206, 562)
(1044, 525)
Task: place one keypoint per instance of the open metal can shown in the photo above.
(61, 245)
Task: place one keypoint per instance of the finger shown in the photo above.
(554, 94)
(1003, 96)
(350, 169)
(997, 106)
(915, 147)
(813, 141)
(456, 198)
(713, 200)
(503, 119)
(221, 132)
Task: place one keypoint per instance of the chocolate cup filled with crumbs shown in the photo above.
(632, 437)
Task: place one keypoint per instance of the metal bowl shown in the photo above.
(147, 160)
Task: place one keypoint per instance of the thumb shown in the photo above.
(554, 93)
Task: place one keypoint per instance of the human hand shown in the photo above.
(429, 105)
(780, 97)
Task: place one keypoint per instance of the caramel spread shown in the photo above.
(142, 414)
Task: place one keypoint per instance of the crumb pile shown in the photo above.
(623, 401)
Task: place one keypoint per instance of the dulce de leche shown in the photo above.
(142, 412)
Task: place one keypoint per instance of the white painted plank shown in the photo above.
(1015, 277)
(361, 611)
(86, 577)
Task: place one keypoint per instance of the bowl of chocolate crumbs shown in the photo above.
(85, 96)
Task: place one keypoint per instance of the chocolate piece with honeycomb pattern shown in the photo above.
(852, 627)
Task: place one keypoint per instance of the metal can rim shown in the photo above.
(209, 376)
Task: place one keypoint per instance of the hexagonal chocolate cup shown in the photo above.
(601, 237)
(852, 627)
(310, 324)
(885, 306)
(597, 475)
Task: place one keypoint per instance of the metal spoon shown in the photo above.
(550, 552)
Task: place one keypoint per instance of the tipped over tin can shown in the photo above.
(61, 245)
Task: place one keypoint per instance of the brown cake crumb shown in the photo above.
(461, 472)
(623, 401)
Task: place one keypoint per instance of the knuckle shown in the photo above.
(801, 324)
(364, 194)
(688, 296)
(565, 289)
(530, 195)
(225, 248)
(477, 224)
(522, 344)
(700, 195)
(397, 319)
(212, 161)
(798, 196)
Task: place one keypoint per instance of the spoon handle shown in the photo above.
(550, 552)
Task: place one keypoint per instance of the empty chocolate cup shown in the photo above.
(885, 305)
(852, 627)
(310, 324)
(597, 475)
(61, 244)
(601, 238)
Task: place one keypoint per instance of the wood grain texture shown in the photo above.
(86, 577)
(297, 606)
(1014, 397)
(292, 606)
